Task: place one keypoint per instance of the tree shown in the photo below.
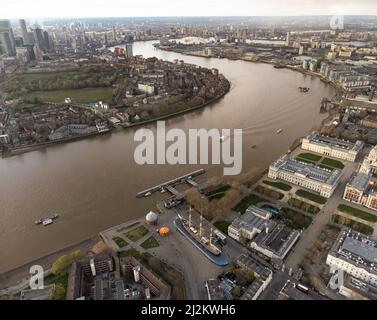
(61, 265)
(77, 254)
(59, 292)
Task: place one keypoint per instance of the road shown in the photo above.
(311, 234)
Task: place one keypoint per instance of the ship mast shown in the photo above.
(200, 225)
(190, 217)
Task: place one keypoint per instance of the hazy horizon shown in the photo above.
(195, 8)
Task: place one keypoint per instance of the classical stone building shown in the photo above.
(333, 147)
(306, 175)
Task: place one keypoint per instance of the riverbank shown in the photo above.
(281, 66)
(19, 275)
(24, 149)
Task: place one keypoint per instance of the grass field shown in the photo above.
(311, 196)
(28, 77)
(150, 243)
(332, 163)
(295, 219)
(120, 242)
(223, 226)
(303, 206)
(247, 201)
(137, 233)
(279, 185)
(357, 226)
(218, 193)
(309, 156)
(269, 193)
(358, 213)
(83, 95)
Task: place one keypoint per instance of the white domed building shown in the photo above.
(151, 218)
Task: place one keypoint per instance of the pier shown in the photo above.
(169, 185)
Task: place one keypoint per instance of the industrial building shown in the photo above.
(305, 175)
(333, 147)
(355, 254)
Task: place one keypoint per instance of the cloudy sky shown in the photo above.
(132, 8)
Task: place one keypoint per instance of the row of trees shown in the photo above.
(217, 208)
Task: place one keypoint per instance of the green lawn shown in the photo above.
(357, 213)
(150, 243)
(223, 226)
(83, 95)
(28, 77)
(309, 156)
(311, 196)
(218, 193)
(137, 233)
(303, 206)
(279, 185)
(332, 163)
(120, 242)
(295, 219)
(248, 201)
(357, 226)
(269, 193)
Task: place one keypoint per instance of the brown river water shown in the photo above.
(92, 183)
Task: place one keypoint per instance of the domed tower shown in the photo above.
(151, 218)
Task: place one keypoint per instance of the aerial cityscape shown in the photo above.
(155, 152)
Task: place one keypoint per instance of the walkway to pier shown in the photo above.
(171, 183)
(221, 260)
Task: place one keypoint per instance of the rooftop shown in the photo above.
(356, 248)
(309, 171)
(334, 143)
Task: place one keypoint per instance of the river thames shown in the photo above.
(92, 184)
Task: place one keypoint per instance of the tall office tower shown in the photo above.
(39, 39)
(114, 34)
(6, 27)
(24, 33)
(6, 44)
(30, 36)
(47, 40)
(129, 51)
(288, 39)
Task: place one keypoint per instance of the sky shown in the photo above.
(144, 8)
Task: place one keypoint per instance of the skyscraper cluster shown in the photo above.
(34, 41)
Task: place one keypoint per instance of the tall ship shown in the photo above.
(198, 234)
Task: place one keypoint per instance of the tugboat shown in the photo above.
(279, 131)
(254, 146)
(46, 221)
(303, 89)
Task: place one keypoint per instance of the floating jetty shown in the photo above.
(170, 184)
